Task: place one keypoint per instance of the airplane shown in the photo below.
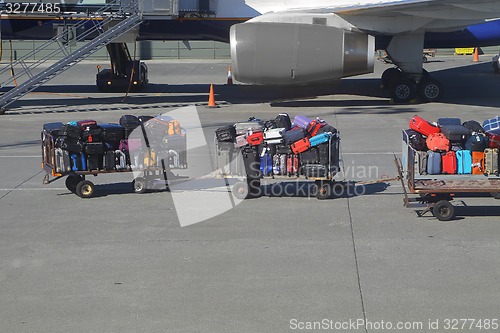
(295, 42)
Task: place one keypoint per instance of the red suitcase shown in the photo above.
(494, 140)
(300, 146)
(292, 165)
(255, 139)
(449, 161)
(423, 126)
(438, 142)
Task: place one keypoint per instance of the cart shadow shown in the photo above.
(105, 190)
(472, 211)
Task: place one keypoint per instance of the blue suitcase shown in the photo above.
(266, 165)
(464, 162)
(319, 139)
(434, 163)
(78, 162)
(294, 135)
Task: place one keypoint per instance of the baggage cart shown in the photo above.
(231, 166)
(437, 191)
(152, 176)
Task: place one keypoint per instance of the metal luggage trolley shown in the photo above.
(153, 176)
(245, 176)
(437, 191)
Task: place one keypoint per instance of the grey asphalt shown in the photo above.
(121, 262)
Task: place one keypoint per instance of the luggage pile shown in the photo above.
(279, 147)
(452, 147)
(88, 146)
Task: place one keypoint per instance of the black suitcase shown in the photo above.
(94, 148)
(283, 121)
(112, 133)
(94, 162)
(68, 143)
(283, 149)
(310, 156)
(130, 121)
(53, 128)
(327, 129)
(71, 131)
(92, 133)
(294, 135)
(109, 160)
(225, 134)
(473, 126)
(455, 133)
(416, 140)
(251, 159)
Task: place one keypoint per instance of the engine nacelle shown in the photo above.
(268, 53)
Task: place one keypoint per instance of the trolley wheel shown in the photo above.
(140, 185)
(85, 189)
(240, 190)
(443, 210)
(323, 190)
(72, 182)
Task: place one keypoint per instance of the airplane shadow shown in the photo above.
(474, 85)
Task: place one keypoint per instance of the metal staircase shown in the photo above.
(128, 18)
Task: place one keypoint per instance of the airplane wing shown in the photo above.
(404, 16)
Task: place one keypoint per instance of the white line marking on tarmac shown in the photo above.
(28, 156)
(34, 189)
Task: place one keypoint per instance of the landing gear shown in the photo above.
(404, 88)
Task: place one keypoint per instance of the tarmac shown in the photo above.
(121, 262)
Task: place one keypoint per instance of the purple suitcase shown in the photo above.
(302, 121)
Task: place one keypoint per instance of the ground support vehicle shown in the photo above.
(245, 177)
(437, 191)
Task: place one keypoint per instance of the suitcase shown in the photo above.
(314, 127)
(283, 148)
(150, 158)
(92, 133)
(251, 160)
(94, 162)
(294, 135)
(455, 133)
(492, 125)
(70, 131)
(274, 134)
(310, 156)
(491, 161)
(477, 142)
(292, 165)
(266, 164)
(433, 163)
(226, 133)
(319, 139)
(449, 121)
(473, 126)
(225, 156)
(283, 121)
(121, 160)
(414, 140)
(270, 124)
(86, 123)
(421, 161)
(493, 140)
(327, 129)
(438, 142)
(329, 154)
(300, 146)
(302, 121)
(78, 162)
(464, 162)
(314, 170)
(68, 143)
(94, 148)
(477, 163)
(248, 127)
(109, 160)
(283, 168)
(129, 121)
(255, 139)
(449, 161)
(276, 164)
(423, 127)
(241, 141)
(112, 133)
(52, 128)
(62, 161)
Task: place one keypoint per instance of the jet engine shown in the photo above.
(268, 53)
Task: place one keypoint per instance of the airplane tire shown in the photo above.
(430, 90)
(403, 91)
(390, 76)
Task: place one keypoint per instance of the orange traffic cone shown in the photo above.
(229, 76)
(211, 98)
(476, 54)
